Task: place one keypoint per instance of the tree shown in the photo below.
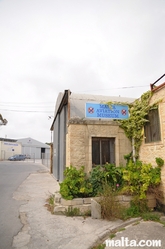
(3, 121)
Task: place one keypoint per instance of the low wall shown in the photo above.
(84, 204)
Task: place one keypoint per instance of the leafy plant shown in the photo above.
(97, 178)
(133, 126)
(139, 177)
(159, 161)
(75, 184)
(107, 173)
(128, 157)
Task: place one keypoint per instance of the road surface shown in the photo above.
(12, 174)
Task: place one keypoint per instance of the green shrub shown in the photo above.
(136, 209)
(75, 184)
(97, 178)
(107, 173)
(139, 177)
(159, 161)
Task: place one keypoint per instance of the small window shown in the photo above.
(103, 151)
(152, 128)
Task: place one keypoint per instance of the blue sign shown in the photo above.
(94, 110)
(10, 144)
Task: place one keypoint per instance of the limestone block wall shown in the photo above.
(149, 151)
(79, 141)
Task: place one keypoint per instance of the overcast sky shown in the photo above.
(105, 47)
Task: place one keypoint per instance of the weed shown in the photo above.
(121, 229)
(112, 235)
(150, 216)
(110, 207)
(86, 214)
(72, 211)
(136, 223)
(51, 199)
(162, 222)
(50, 203)
(100, 246)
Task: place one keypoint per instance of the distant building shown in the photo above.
(28, 146)
(86, 132)
(33, 147)
(9, 147)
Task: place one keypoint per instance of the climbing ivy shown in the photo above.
(138, 111)
(133, 126)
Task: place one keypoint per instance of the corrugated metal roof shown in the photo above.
(58, 101)
(77, 102)
(8, 139)
(100, 98)
(32, 143)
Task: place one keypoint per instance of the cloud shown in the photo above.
(98, 47)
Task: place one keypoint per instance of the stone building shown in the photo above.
(153, 144)
(86, 131)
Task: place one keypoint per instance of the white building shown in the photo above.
(34, 148)
(9, 147)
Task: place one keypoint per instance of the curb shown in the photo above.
(106, 233)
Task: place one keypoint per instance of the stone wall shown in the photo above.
(79, 141)
(85, 205)
(149, 151)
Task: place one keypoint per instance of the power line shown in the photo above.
(9, 110)
(45, 104)
(114, 88)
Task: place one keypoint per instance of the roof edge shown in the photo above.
(64, 101)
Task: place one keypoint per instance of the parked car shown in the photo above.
(27, 156)
(18, 157)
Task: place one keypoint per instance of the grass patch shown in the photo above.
(121, 229)
(136, 223)
(112, 235)
(73, 211)
(100, 246)
(50, 203)
(150, 216)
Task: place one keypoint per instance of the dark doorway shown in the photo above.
(42, 153)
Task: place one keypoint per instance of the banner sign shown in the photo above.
(94, 110)
(10, 144)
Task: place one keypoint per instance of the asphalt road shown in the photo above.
(12, 174)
